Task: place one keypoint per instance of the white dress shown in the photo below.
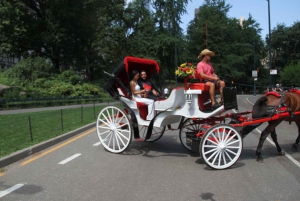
(147, 101)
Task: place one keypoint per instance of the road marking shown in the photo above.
(69, 159)
(57, 147)
(97, 144)
(9, 190)
(271, 142)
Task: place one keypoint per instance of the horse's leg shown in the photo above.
(270, 128)
(262, 138)
(295, 145)
(274, 138)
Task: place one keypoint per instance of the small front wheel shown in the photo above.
(221, 146)
(114, 129)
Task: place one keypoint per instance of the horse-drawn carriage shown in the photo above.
(200, 128)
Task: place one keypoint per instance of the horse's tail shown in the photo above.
(259, 110)
(260, 107)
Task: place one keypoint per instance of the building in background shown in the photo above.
(7, 61)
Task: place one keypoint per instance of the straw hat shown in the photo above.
(205, 52)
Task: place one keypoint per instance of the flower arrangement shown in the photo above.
(185, 70)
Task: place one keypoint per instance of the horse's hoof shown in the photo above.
(260, 159)
(282, 153)
(295, 147)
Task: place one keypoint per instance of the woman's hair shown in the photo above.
(133, 73)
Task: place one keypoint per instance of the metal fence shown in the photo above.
(49, 101)
(18, 131)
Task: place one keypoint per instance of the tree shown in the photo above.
(232, 41)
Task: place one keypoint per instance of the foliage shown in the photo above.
(290, 75)
(285, 46)
(27, 71)
(234, 43)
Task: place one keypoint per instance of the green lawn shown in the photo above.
(18, 131)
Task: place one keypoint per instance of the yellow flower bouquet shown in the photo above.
(185, 70)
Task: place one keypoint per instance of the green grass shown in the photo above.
(16, 131)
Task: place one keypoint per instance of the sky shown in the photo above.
(281, 11)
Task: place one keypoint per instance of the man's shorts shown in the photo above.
(213, 81)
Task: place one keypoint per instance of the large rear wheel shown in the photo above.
(188, 126)
(221, 146)
(114, 129)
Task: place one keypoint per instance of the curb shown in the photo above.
(14, 157)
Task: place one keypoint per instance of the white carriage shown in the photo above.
(220, 144)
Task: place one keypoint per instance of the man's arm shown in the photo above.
(206, 77)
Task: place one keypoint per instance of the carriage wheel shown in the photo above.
(157, 133)
(188, 126)
(114, 129)
(221, 146)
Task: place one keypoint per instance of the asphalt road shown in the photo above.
(163, 170)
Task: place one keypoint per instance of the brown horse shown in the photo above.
(265, 107)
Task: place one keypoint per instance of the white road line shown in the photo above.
(97, 144)
(69, 159)
(9, 190)
(271, 142)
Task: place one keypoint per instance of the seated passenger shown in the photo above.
(148, 86)
(207, 72)
(137, 92)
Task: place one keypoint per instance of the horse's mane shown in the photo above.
(260, 107)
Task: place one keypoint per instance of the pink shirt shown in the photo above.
(206, 68)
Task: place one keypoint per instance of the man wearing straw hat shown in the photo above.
(207, 73)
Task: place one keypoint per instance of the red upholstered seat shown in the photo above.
(199, 86)
(143, 109)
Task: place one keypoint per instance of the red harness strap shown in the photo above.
(273, 93)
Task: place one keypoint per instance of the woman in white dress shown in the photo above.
(138, 94)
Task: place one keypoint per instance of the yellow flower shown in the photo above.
(177, 72)
(189, 72)
(182, 65)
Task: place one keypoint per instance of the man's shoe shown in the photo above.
(215, 106)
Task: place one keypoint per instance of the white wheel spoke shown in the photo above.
(231, 152)
(120, 119)
(122, 130)
(215, 137)
(123, 135)
(121, 139)
(119, 126)
(228, 155)
(116, 136)
(219, 137)
(232, 147)
(223, 134)
(232, 142)
(106, 123)
(104, 127)
(108, 115)
(220, 158)
(224, 158)
(231, 137)
(104, 132)
(216, 156)
(217, 151)
(228, 134)
(210, 151)
(209, 146)
(212, 141)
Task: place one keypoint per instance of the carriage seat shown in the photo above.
(176, 99)
(142, 107)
